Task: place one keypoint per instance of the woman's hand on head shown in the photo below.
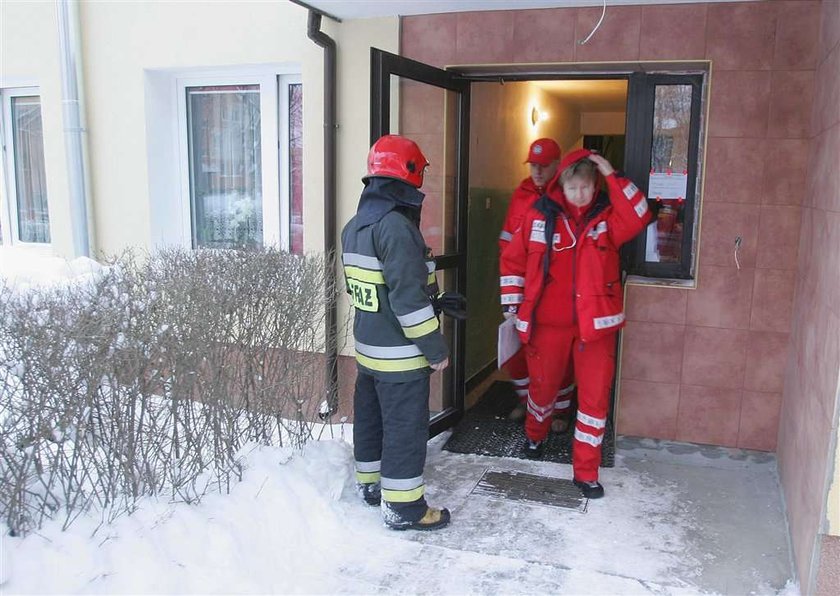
(602, 164)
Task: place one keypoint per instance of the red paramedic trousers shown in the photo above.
(517, 368)
(594, 364)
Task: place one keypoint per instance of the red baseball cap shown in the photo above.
(543, 152)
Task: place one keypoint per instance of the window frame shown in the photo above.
(274, 136)
(9, 217)
(640, 110)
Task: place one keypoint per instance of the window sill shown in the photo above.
(28, 248)
(684, 284)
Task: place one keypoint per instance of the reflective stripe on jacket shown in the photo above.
(390, 276)
(522, 199)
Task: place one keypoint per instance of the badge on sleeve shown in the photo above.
(364, 295)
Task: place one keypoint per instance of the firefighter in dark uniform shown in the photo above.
(390, 278)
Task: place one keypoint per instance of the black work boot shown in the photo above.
(433, 519)
(533, 449)
(370, 492)
(590, 490)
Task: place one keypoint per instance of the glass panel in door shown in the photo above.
(430, 106)
(427, 115)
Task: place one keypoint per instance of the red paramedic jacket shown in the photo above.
(525, 195)
(577, 283)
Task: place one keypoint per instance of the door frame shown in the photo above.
(382, 65)
(459, 79)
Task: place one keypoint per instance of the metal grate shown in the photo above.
(486, 430)
(520, 486)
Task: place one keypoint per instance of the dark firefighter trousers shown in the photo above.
(390, 431)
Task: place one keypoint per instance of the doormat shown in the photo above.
(542, 490)
(486, 430)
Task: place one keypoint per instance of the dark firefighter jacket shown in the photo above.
(390, 276)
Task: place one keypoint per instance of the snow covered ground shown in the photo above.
(24, 269)
(295, 525)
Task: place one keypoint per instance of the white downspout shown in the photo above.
(69, 41)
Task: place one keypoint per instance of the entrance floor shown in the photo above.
(677, 518)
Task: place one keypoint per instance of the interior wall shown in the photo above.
(809, 406)
(602, 123)
(501, 131)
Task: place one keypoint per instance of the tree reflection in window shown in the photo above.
(33, 218)
(223, 124)
(296, 168)
(669, 161)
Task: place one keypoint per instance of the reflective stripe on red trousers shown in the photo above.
(517, 368)
(594, 365)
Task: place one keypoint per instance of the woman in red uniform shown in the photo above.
(565, 255)
(543, 160)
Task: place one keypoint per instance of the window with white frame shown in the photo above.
(25, 215)
(240, 144)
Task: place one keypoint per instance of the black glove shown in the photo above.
(451, 304)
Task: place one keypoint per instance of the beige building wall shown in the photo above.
(125, 45)
(833, 504)
(29, 57)
(354, 40)
(117, 58)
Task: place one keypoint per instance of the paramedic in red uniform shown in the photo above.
(543, 159)
(562, 265)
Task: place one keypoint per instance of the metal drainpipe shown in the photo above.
(325, 41)
(67, 12)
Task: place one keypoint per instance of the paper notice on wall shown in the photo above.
(664, 185)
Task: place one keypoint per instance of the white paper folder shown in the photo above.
(509, 343)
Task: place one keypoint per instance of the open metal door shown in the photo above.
(431, 106)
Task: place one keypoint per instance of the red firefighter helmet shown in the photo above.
(395, 156)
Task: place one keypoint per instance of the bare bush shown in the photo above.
(149, 380)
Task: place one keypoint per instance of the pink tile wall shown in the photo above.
(544, 35)
(660, 40)
(740, 104)
(709, 415)
(618, 37)
(796, 43)
(809, 397)
(659, 400)
(759, 420)
(828, 579)
(702, 365)
(789, 91)
(484, 37)
(784, 185)
(723, 298)
(741, 36)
